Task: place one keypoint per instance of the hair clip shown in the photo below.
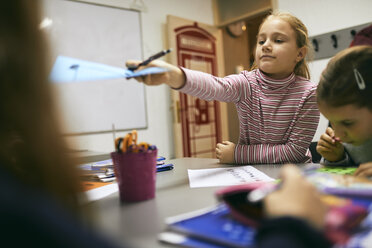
(359, 79)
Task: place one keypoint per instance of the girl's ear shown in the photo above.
(301, 53)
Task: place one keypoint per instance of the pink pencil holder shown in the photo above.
(135, 174)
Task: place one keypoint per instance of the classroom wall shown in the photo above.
(323, 16)
(159, 112)
(318, 15)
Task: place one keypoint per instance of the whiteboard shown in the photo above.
(105, 35)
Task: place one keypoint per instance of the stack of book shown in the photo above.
(161, 165)
(101, 171)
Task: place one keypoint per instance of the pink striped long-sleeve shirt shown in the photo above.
(277, 118)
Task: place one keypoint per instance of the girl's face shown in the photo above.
(351, 123)
(276, 51)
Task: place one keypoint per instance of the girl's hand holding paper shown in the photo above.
(173, 76)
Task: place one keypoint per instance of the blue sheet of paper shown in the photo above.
(69, 70)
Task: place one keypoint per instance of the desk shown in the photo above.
(138, 224)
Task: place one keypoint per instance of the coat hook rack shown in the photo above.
(328, 44)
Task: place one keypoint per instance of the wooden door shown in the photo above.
(198, 125)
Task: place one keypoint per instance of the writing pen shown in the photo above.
(164, 167)
(260, 193)
(151, 58)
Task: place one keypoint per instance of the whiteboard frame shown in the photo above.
(122, 127)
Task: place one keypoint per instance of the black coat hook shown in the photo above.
(316, 45)
(353, 33)
(334, 40)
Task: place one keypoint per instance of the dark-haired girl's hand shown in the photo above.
(364, 170)
(330, 147)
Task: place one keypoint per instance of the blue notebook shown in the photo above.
(212, 227)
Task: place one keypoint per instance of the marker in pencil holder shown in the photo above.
(135, 174)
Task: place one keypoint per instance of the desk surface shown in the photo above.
(138, 224)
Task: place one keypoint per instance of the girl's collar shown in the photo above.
(274, 84)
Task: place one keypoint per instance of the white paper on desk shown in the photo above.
(226, 176)
(101, 192)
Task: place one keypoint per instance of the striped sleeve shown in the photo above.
(209, 87)
(295, 149)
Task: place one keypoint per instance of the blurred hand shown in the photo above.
(330, 147)
(364, 170)
(296, 197)
(225, 152)
(174, 77)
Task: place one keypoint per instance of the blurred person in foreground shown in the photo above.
(39, 183)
